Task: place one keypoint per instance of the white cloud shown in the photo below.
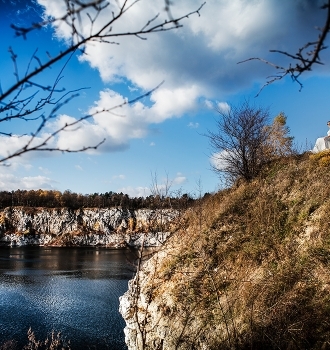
(44, 170)
(9, 182)
(179, 179)
(218, 160)
(193, 125)
(78, 167)
(209, 104)
(135, 191)
(223, 107)
(17, 176)
(10, 145)
(173, 102)
(204, 53)
(119, 177)
(84, 134)
(197, 60)
(25, 166)
(132, 88)
(152, 144)
(120, 125)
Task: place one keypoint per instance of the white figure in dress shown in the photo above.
(322, 143)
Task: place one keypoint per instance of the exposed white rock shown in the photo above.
(107, 227)
(146, 319)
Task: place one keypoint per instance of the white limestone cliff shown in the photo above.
(148, 317)
(111, 227)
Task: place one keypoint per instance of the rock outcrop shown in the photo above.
(148, 320)
(247, 268)
(111, 227)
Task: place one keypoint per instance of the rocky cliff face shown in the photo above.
(149, 323)
(248, 268)
(107, 227)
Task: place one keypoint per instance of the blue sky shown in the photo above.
(163, 134)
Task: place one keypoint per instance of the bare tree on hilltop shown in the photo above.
(21, 102)
(238, 140)
(244, 141)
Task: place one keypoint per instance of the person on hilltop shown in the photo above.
(322, 143)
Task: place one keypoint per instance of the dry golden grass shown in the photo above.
(323, 158)
(250, 267)
(54, 341)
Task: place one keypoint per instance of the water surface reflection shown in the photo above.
(72, 290)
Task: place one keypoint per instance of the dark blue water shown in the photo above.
(72, 290)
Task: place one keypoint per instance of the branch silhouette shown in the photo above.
(304, 60)
(22, 101)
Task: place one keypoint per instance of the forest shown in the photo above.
(68, 199)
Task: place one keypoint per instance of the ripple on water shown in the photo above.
(64, 290)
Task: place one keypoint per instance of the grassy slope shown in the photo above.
(249, 268)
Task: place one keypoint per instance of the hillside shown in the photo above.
(248, 268)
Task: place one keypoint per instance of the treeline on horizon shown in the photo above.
(68, 199)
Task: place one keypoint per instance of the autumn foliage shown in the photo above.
(68, 199)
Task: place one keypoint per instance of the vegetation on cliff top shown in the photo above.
(248, 268)
(68, 199)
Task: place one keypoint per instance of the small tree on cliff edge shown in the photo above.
(244, 141)
(279, 142)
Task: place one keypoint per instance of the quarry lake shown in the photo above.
(72, 290)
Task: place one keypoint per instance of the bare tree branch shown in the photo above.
(100, 35)
(307, 56)
(238, 141)
(244, 142)
(28, 100)
(43, 144)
